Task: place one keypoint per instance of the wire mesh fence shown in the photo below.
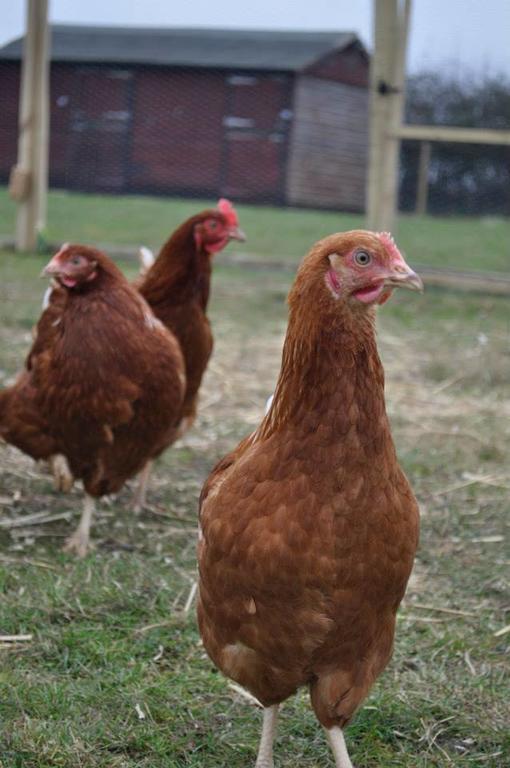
(272, 118)
(143, 134)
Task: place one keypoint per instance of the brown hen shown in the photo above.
(308, 529)
(177, 286)
(103, 384)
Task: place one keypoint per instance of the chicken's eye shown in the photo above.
(362, 258)
(213, 224)
(76, 260)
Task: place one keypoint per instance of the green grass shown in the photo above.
(110, 633)
(273, 233)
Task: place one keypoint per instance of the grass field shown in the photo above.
(114, 675)
(273, 234)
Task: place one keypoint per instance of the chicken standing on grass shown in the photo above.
(103, 385)
(177, 286)
(309, 528)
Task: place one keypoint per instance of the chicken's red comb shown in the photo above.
(389, 243)
(229, 212)
(62, 250)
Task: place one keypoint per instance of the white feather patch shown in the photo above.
(47, 297)
(152, 322)
(146, 258)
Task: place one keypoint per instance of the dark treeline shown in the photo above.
(463, 178)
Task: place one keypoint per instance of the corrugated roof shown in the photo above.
(217, 48)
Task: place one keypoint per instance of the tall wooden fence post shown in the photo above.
(383, 11)
(387, 82)
(29, 178)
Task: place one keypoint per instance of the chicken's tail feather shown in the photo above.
(146, 259)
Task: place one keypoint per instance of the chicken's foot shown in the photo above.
(265, 754)
(78, 542)
(337, 742)
(140, 497)
(62, 475)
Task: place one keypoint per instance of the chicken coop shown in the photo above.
(262, 116)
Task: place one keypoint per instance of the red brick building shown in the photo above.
(265, 116)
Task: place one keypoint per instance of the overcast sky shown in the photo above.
(462, 35)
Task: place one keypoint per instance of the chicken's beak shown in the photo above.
(402, 276)
(235, 233)
(52, 268)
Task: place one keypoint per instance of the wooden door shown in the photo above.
(99, 130)
(256, 130)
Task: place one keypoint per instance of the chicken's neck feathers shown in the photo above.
(331, 375)
(180, 274)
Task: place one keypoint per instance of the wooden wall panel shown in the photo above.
(329, 145)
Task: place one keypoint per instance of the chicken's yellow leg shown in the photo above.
(337, 743)
(265, 755)
(78, 543)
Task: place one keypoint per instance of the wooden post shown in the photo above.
(453, 134)
(395, 107)
(387, 81)
(379, 73)
(29, 179)
(422, 187)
